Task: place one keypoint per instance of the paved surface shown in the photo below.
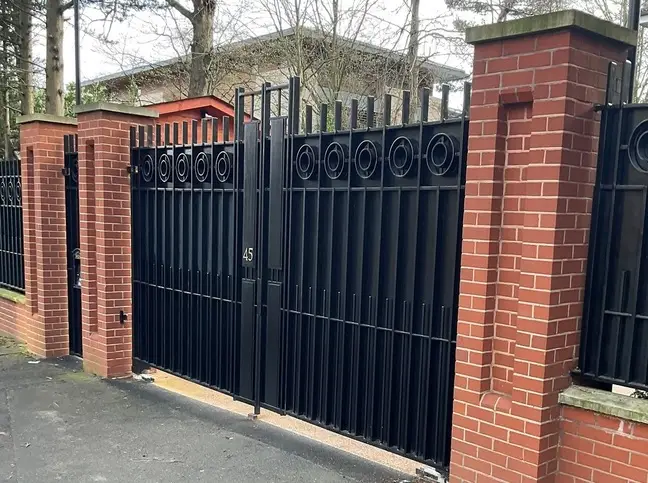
(60, 424)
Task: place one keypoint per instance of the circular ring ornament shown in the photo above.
(164, 168)
(401, 157)
(147, 168)
(366, 159)
(334, 159)
(440, 154)
(10, 191)
(3, 191)
(182, 168)
(202, 167)
(305, 162)
(223, 166)
(18, 191)
(638, 147)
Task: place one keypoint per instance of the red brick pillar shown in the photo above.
(43, 326)
(530, 175)
(104, 199)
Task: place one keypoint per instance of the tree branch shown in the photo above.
(183, 11)
(67, 6)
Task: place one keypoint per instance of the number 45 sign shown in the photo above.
(248, 254)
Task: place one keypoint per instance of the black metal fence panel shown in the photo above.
(314, 274)
(614, 346)
(12, 265)
(72, 234)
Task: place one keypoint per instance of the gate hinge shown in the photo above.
(122, 317)
(132, 169)
(65, 171)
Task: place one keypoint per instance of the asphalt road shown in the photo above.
(59, 424)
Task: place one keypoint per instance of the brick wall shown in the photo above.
(530, 175)
(104, 198)
(601, 449)
(42, 321)
(13, 316)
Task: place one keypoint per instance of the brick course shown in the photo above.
(599, 448)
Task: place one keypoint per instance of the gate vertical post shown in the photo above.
(105, 233)
(530, 175)
(43, 326)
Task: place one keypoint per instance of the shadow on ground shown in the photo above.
(58, 423)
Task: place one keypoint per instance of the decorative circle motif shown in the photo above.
(10, 191)
(334, 159)
(401, 157)
(18, 191)
(366, 159)
(223, 166)
(147, 168)
(202, 167)
(638, 147)
(182, 168)
(305, 162)
(164, 168)
(441, 153)
(3, 191)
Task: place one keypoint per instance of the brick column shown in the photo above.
(43, 325)
(104, 198)
(531, 169)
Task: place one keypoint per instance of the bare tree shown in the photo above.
(54, 88)
(202, 22)
(26, 71)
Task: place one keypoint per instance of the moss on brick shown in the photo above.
(549, 22)
(12, 296)
(604, 402)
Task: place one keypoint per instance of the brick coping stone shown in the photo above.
(604, 402)
(548, 22)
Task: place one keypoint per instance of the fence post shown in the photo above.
(43, 326)
(530, 174)
(105, 233)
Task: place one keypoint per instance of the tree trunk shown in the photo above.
(54, 60)
(412, 58)
(201, 46)
(25, 68)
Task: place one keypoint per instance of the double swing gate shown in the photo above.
(310, 273)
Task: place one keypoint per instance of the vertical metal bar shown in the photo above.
(406, 107)
(226, 130)
(353, 116)
(323, 119)
(445, 99)
(296, 111)
(425, 104)
(371, 121)
(387, 102)
(610, 227)
(239, 116)
(309, 119)
(338, 116)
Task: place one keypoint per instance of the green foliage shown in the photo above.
(89, 94)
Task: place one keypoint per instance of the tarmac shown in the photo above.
(58, 423)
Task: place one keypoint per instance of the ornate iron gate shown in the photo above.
(71, 173)
(308, 273)
(614, 345)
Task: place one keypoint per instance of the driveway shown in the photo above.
(59, 424)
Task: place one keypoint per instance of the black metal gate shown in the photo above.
(71, 173)
(308, 273)
(614, 346)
